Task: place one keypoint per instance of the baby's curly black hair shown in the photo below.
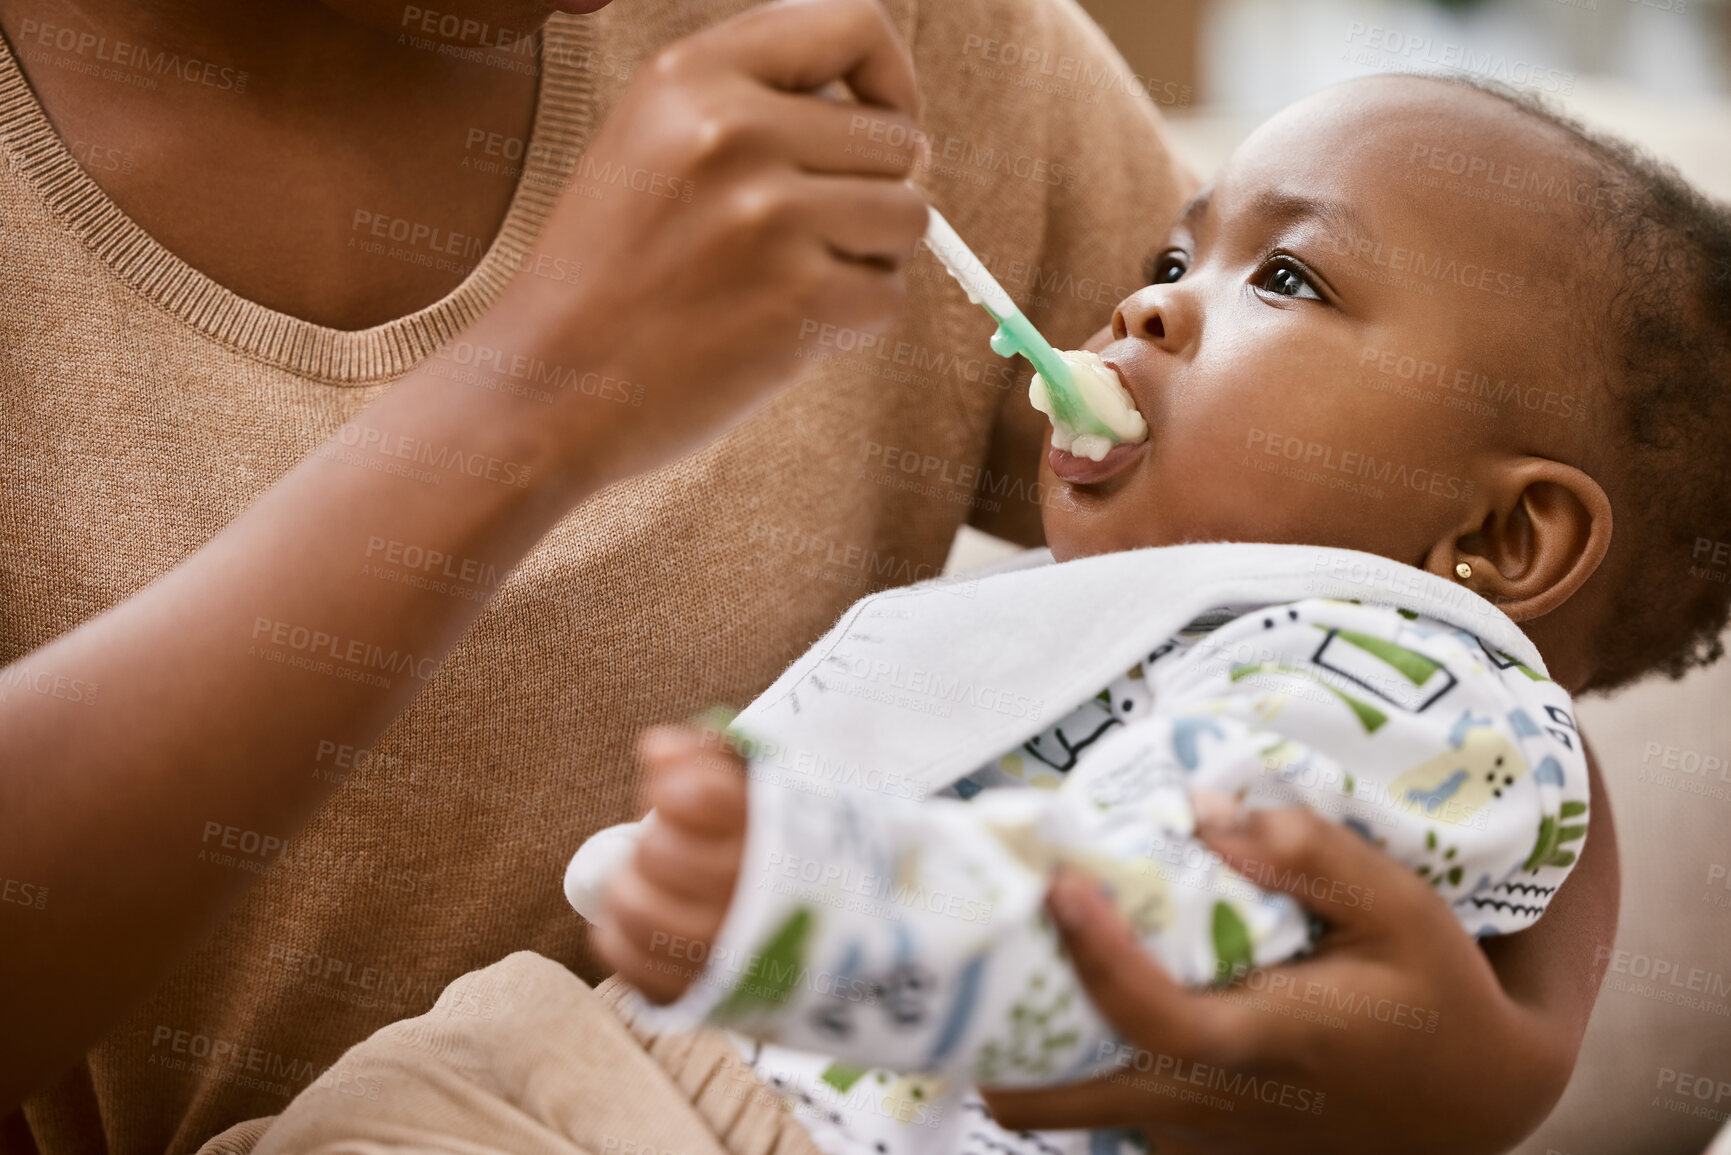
(1666, 346)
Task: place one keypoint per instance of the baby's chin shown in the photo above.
(1064, 537)
(1073, 533)
(1085, 520)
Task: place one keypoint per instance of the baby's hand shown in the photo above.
(663, 911)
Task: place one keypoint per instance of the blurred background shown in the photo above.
(1656, 70)
(1259, 55)
(1654, 1077)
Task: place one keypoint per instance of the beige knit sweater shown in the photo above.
(142, 406)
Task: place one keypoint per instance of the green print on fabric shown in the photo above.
(1371, 718)
(1548, 850)
(1523, 667)
(1436, 876)
(841, 1076)
(1368, 716)
(773, 973)
(1036, 1035)
(1453, 875)
(1231, 944)
(1410, 664)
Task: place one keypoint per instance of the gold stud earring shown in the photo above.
(1463, 571)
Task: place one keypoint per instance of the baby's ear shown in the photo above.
(1545, 528)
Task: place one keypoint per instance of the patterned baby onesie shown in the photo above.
(893, 950)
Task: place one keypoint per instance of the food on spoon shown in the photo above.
(1106, 400)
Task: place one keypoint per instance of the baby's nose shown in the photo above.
(1143, 315)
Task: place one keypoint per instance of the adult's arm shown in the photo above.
(194, 727)
(1400, 1032)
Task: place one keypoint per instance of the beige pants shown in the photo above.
(523, 1057)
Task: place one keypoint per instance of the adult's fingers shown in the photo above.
(879, 221)
(1328, 867)
(800, 45)
(858, 295)
(826, 137)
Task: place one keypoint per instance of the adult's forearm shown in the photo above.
(207, 711)
(198, 704)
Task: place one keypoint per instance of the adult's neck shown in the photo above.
(254, 134)
(299, 54)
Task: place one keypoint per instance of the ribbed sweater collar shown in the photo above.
(36, 154)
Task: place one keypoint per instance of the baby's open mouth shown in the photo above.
(1079, 470)
(1108, 418)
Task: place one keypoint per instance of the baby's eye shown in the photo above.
(1164, 268)
(1287, 280)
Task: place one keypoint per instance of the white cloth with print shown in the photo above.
(920, 772)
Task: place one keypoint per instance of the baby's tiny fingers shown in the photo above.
(701, 788)
(702, 869)
(662, 924)
(661, 745)
(633, 964)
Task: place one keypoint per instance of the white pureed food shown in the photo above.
(1103, 395)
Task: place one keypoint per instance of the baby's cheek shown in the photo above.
(1099, 340)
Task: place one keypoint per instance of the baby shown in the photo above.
(1422, 404)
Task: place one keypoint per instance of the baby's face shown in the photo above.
(1341, 338)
